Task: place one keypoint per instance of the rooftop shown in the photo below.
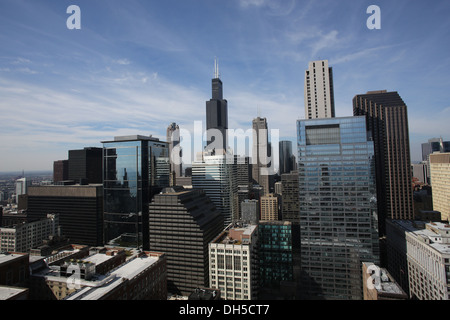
(9, 292)
(435, 234)
(7, 257)
(94, 290)
(236, 233)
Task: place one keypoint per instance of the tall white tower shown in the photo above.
(319, 92)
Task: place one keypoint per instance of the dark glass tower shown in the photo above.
(337, 206)
(135, 169)
(217, 117)
(387, 122)
(85, 165)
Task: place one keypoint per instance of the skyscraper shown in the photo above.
(22, 185)
(182, 224)
(175, 153)
(337, 196)
(440, 177)
(217, 117)
(286, 163)
(217, 178)
(135, 169)
(387, 123)
(269, 207)
(260, 154)
(86, 165)
(60, 170)
(290, 210)
(434, 145)
(319, 91)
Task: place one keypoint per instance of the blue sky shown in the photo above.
(136, 66)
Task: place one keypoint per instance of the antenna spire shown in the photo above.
(216, 69)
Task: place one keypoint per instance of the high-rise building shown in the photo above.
(85, 165)
(182, 224)
(319, 90)
(286, 162)
(135, 169)
(440, 177)
(420, 171)
(216, 176)
(290, 209)
(217, 117)
(337, 201)
(269, 207)
(387, 123)
(60, 170)
(175, 153)
(275, 254)
(233, 262)
(22, 186)
(250, 211)
(261, 154)
(79, 207)
(434, 145)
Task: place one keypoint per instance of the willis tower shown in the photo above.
(217, 117)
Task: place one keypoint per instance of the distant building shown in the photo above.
(286, 157)
(216, 176)
(233, 262)
(217, 117)
(261, 154)
(319, 90)
(60, 170)
(290, 207)
(22, 186)
(181, 224)
(85, 166)
(269, 207)
(420, 171)
(440, 177)
(175, 153)
(250, 211)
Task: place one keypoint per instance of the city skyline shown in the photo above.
(134, 68)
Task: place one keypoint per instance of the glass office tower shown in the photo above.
(217, 178)
(338, 213)
(134, 169)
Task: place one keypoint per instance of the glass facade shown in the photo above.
(133, 171)
(275, 253)
(337, 197)
(217, 179)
